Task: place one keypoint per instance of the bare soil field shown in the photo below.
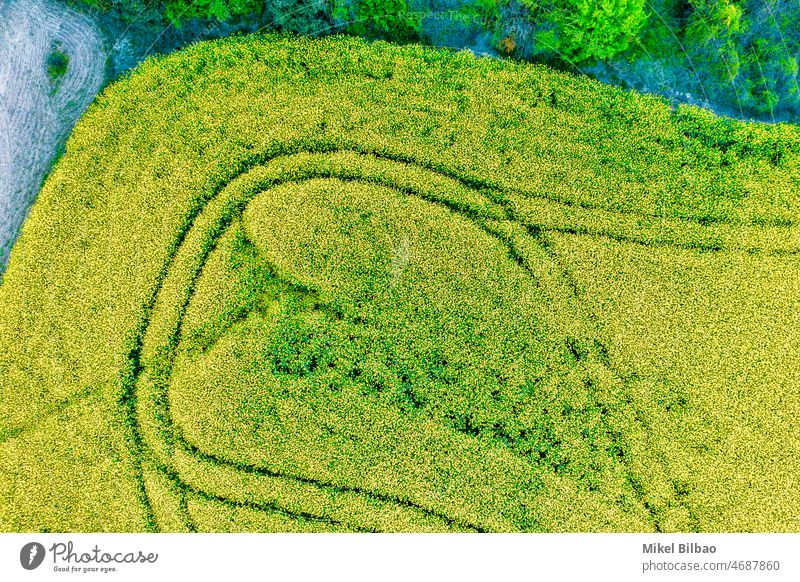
(36, 111)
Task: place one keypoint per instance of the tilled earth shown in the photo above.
(36, 112)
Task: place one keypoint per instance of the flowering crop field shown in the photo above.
(281, 284)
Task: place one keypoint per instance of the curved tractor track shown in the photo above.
(36, 112)
(169, 457)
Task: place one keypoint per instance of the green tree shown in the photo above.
(389, 19)
(586, 30)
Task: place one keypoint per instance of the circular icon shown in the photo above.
(31, 555)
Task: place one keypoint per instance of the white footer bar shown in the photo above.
(378, 557)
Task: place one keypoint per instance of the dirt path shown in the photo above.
(37, 114)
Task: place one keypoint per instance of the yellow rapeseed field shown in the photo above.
(283, 284)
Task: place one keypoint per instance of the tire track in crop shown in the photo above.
(75, 399)
(187, 488)
(503, 195)
(540, 235)
(274, 509)
(484, 184)
(135, 357)
(129, 397)
(261, 471)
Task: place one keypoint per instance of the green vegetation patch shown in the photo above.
(57, 64)
(280, 284)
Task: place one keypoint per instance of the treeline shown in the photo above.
(741, 57)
